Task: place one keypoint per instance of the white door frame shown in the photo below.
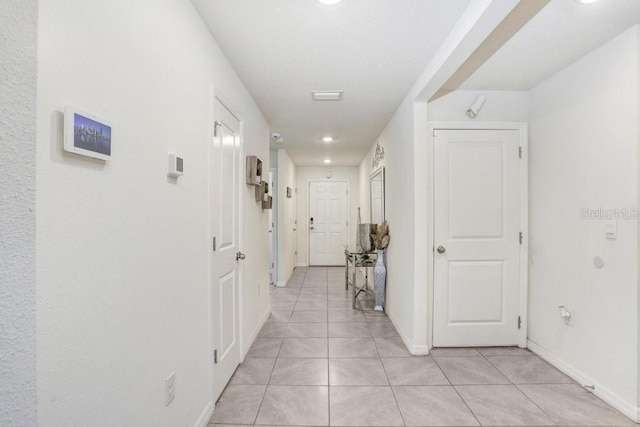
(274, 216)
(306, 220)
(209, 245)
(524, 215)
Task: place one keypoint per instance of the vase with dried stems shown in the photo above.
(380, 237)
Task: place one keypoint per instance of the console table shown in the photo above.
(354, 258)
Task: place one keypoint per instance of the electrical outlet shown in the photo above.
(170, 388)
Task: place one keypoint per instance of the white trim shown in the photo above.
(416, 350)
(610, 397)
(301, 264)
(255, 333)
(522, 127)
(273, 172)
(524, 228)
(206, 415)
(379, 171)
(308, 216)
(210, 232)
(281, 284)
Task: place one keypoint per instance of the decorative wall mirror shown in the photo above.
(377, 196)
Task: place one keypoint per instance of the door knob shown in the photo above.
(240, 255)
(441, 249)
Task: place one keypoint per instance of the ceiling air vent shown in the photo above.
(326, 95)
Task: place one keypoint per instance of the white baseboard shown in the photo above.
(302, 265)
(205, 416)
(420, 350)
(612, 398)
(416, 350)
(281, 284)
(255, 333)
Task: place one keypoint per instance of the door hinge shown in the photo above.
(215, 356)
(521, 237)
(215, 128)
(519, 322)
(214, 244)
(520, 152)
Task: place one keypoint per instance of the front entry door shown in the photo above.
(225, 211)
(327, 222)
(477, 238)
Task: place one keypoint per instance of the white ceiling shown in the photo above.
(374, 50)
(561, 33)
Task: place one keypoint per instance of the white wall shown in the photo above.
(286, 217)
(304, 174)
(397, 141)
(122, 252)
(584, 154)
(501, 106)
(18, 39)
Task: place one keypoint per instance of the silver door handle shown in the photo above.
(240, 255)
(441, 249)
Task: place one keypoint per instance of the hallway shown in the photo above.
(317, 362)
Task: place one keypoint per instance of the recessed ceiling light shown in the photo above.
(327, 139)
(327, 160)
(329, 2)
(326, 95)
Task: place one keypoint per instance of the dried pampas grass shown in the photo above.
(380, 236)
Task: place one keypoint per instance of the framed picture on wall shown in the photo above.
(289, 192)
(86, 134)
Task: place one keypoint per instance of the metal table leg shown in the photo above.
(346, 271)
(354, 292)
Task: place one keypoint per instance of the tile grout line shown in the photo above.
(393, 393)
(457, 392)
(496, 368)
(518, 389)
(274, 362)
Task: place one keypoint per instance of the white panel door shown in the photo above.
(477, 238)
(225, 211)
(328, 224)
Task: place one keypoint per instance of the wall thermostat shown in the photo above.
(175, 165)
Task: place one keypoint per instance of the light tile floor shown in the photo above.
(317, 362)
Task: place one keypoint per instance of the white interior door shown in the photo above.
(328, 222)
(477, 238)
(225, 212)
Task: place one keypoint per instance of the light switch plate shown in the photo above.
(611, 229)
